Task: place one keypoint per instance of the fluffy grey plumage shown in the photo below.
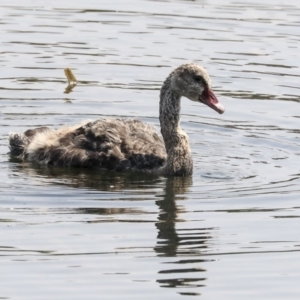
(125, 144)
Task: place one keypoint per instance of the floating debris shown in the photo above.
(72, 81)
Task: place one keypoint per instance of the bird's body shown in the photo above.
(111, 143)
(125, 144)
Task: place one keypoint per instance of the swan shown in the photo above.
(125, 144)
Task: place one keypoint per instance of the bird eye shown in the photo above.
(199, 78)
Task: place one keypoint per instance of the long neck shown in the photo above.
(179, 161)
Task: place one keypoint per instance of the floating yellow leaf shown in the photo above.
(70, 76)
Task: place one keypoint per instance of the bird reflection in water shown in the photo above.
(172, 241)
(175, 242)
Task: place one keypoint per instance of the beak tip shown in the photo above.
(219, 108)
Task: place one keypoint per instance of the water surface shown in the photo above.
(229, 231)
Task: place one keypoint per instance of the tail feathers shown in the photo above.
(17, 143)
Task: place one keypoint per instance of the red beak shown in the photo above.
(210, 99)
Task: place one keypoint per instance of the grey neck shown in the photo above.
(179, 161)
